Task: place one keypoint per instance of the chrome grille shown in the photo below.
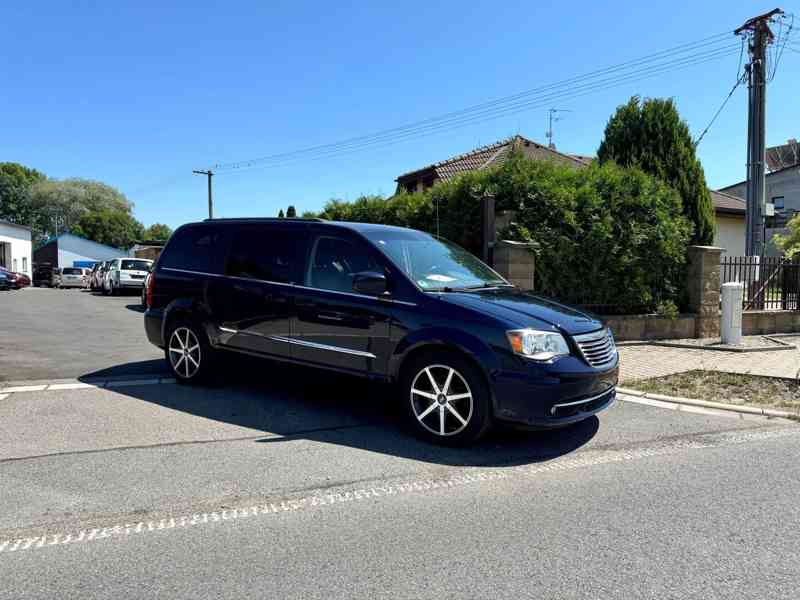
(598, 347)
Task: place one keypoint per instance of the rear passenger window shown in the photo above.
(193, 249)
(267, 254)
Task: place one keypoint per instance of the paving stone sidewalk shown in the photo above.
(642, 362)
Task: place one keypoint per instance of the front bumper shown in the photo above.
(553, 395)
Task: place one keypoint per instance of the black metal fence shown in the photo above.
(770, 282)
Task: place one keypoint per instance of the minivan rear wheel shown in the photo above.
(446, 399)
(188, 353)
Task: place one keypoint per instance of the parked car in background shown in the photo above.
(144, 287)
(126, 274)
(73, 277)
(16, 281)
(55, 278)
(4, 283)
(42, 274)
(464, 347)
(92, 276)
(97, 277)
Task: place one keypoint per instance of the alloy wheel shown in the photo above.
(184, 352)
(441, 400)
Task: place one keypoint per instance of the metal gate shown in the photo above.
(770, 282)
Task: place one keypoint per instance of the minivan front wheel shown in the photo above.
(188, 352)
(447, 399)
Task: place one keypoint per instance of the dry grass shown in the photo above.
(732, 388)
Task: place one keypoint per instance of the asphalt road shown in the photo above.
(48, 333)
(279, 482)
(296, 488)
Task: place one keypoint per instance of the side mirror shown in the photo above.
(369, 283)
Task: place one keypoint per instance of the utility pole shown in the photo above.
(549, 134)
(759, 35)
(209, 174)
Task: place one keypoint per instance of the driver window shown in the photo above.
(334, 262)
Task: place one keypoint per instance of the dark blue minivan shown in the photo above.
(463, 346)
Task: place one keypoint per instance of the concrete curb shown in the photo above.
(749, 410)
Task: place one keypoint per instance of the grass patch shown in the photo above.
(731, 388)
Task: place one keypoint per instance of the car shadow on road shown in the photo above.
(289, 402)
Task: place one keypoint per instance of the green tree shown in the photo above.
(650, 135)
(16, 181)
(790, 243)
(110, 227)
(309, 214)
(61, 204)
(280, 214)
(158, 231)
(291, 213)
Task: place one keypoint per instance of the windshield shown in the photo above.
(135, 265)
(436, 265)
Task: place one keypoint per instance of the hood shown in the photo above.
(525, 309)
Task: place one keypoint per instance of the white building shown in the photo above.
(730, 217)
(15, 248)
(69, 250)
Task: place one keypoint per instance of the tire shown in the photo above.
(455, 416)
(192, 362)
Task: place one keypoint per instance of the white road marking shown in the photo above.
(72, 386)
(24, 388)
(461, 477)
(3, 396)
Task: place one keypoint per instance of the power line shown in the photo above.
(346, 147)
(692, 47)
(724, 102)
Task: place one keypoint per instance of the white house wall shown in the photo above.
(730, 234)
(16, 243)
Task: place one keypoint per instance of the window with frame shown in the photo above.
(267, 255)
(25, 263)
(335, 261)
(193, 248)
(779, 202)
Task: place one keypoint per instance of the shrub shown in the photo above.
(604, 235)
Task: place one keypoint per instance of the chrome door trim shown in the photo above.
(318, 346)
(584, 401)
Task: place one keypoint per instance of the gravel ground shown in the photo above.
(732, 388)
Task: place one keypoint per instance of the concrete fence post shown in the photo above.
(515, 261)
(703, 283)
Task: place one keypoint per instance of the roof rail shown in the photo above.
(276, 219)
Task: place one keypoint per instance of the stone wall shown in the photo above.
(755, 322)
(703, 285)
(515, 261)
(651, 327)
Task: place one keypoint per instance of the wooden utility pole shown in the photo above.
(759, 35)
(209, 174)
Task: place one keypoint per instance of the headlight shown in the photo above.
(538, 345)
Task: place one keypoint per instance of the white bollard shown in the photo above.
(731, 326)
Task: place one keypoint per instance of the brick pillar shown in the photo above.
(703, 282)
(515, 262)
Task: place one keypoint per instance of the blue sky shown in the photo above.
(137, 94)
